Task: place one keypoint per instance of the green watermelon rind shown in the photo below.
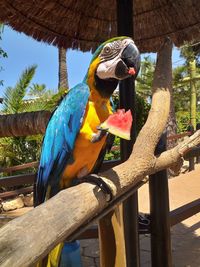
(116, 132)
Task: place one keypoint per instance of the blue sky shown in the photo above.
(24, 51)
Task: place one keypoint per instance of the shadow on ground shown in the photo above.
(185, 246)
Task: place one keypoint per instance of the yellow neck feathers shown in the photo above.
(94, 94)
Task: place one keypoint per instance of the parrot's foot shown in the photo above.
(99, 135)
(97, 180)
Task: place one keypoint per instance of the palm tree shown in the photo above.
(62, 72)
(14, 96)
(18, 150)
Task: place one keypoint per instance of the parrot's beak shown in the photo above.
(129, 65)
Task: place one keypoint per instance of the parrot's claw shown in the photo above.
(102, 129)
(99, 135)
(97, 180)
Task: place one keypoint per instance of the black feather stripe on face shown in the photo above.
(109, 57)
(110, 51)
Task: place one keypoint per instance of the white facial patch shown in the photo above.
(106, 68)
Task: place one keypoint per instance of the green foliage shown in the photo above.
(187, 52)
(14, 96)
(183, 120)
(181, 91)
(55, 99)
(115, 151)
(145, 78)
(142, 111)
(19, 150)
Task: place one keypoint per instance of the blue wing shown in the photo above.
(59, 140)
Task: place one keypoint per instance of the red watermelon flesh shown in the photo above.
(119, 124)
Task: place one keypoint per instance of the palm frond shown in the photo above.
(36, 104)
(54, 101)
(7, 101)
(37, 90)
(14, 96)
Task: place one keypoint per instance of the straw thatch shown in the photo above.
(83, 24)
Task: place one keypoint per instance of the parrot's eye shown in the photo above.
(107, 49)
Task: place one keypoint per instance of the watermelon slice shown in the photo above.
(119, 124)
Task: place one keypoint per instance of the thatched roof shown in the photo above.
(83, 24)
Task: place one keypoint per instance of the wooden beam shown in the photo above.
(184, 212)
(17, 180)
(178, 136)
(20, 167)
(16, 192)
(194, 152)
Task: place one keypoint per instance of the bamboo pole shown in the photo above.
(193, 94)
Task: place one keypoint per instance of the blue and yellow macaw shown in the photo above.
(73, 142)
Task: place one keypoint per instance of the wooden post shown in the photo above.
(198, 157)
(191, 164)
(191, 130)
(128, 101)
(159, 210)
(121, 249)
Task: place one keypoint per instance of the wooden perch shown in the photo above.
(25, 240)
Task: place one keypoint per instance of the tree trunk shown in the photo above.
(62, 72)
(23, 124)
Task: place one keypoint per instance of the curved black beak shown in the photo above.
(129, 65)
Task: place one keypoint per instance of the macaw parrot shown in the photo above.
(73, 143)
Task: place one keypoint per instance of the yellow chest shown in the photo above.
(85, 152)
